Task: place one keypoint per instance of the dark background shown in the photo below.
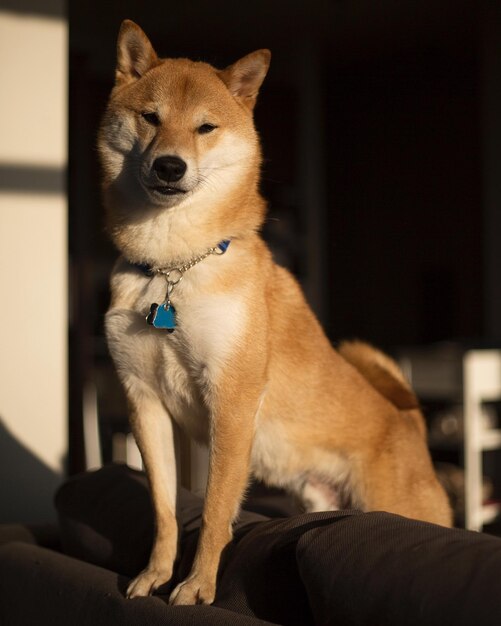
(382, 145)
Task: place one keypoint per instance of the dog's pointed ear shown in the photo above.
(135, 54)
(244, 78)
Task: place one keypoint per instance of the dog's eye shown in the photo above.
(206, 128)
(152, 118)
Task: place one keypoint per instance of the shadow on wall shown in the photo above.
(27, 485)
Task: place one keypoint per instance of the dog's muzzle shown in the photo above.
(166, 171)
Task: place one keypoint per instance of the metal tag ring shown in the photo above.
(177, 280)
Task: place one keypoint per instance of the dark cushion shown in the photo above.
(259, 574)
(46, 535)
(39, 586)
(343, 567)
(382, 569)
(106, 518)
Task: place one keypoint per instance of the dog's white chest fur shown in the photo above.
(178, 367)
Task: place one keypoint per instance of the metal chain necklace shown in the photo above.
(164, 315)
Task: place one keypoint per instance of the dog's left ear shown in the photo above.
(244, 78)
(135, 54)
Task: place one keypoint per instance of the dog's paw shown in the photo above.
(194, 590)
(147, 582)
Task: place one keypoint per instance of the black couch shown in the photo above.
(341, 568)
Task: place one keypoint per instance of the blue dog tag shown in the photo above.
(162, 316)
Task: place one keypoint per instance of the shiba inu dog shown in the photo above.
(207, 331)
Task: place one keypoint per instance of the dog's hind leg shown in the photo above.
(152, 428)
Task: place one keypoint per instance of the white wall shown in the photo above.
(33, 263)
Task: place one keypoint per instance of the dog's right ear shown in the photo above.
(135, 54)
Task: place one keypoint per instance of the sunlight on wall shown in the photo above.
(33, 237)
(33, 78)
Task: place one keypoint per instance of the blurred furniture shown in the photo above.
(466, 386)
(482, 383)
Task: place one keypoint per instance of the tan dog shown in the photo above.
(247, 368)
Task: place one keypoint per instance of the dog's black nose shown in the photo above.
(169, 168)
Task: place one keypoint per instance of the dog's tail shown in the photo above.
(383, 373)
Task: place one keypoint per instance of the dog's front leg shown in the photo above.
(232, 430)
(152, 428)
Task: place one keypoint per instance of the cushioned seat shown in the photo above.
(343, 568)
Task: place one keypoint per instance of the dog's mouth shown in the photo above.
(167, 190)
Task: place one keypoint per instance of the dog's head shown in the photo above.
(178, 134)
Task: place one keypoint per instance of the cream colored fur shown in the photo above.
(248, 370)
